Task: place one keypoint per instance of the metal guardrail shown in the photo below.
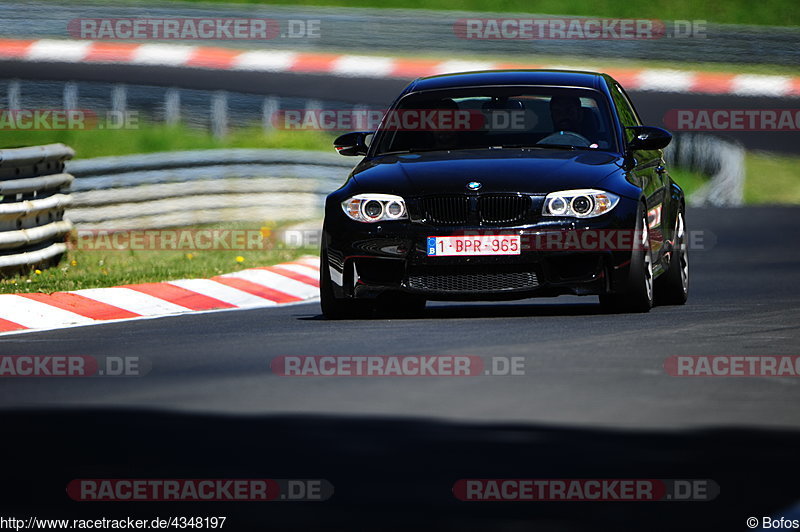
(32, 201)
(199, 187)
(722, 160)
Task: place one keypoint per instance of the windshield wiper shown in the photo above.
(541, 146)
(418, 150)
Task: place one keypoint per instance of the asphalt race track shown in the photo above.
(583, 368)
(595, 401)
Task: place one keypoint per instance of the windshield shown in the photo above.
(497, 117)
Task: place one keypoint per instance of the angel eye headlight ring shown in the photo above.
(371, 208)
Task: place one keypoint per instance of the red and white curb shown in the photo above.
(659, 80)
(292, 282)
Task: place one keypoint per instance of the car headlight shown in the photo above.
(372, 208)
(584, 203)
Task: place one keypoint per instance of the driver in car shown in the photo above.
(568, 115)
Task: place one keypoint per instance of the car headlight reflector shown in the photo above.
(581, 205)
(372, 208)
(558, 206)
(395, 209)
(584, 203)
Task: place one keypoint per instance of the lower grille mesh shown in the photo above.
(473, 282)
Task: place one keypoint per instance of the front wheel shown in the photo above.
(637, 294)
(334, 308)
(672, 287)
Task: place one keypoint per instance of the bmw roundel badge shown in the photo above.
(474, 185)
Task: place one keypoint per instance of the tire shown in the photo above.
(672, 287)
(637, 295)
(334, 308)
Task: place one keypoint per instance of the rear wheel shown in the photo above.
(672, 288)
(637, 294)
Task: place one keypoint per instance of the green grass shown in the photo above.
(689, 181)
(772, 179)
(767, 12)
(155, 138)
(87, 268)
(769, 179)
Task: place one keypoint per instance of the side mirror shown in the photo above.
(352, 143)
(649, 138)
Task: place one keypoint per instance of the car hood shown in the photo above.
(536, 171)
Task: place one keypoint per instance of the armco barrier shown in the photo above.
(204, 186)
(32, 201)
(720, 159)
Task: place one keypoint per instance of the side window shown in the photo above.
(627, 115)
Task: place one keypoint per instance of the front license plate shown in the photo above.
(449, 246)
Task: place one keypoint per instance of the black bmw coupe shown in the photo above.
(504, 185)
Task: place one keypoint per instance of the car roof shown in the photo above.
(557, 78)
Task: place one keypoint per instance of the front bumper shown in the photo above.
(366, 260)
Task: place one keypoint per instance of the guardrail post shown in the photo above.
(14, 99)
(219, 114)
(313, 106)
(70, 95)
(269, 109)
(119, 99)
(172, 106)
